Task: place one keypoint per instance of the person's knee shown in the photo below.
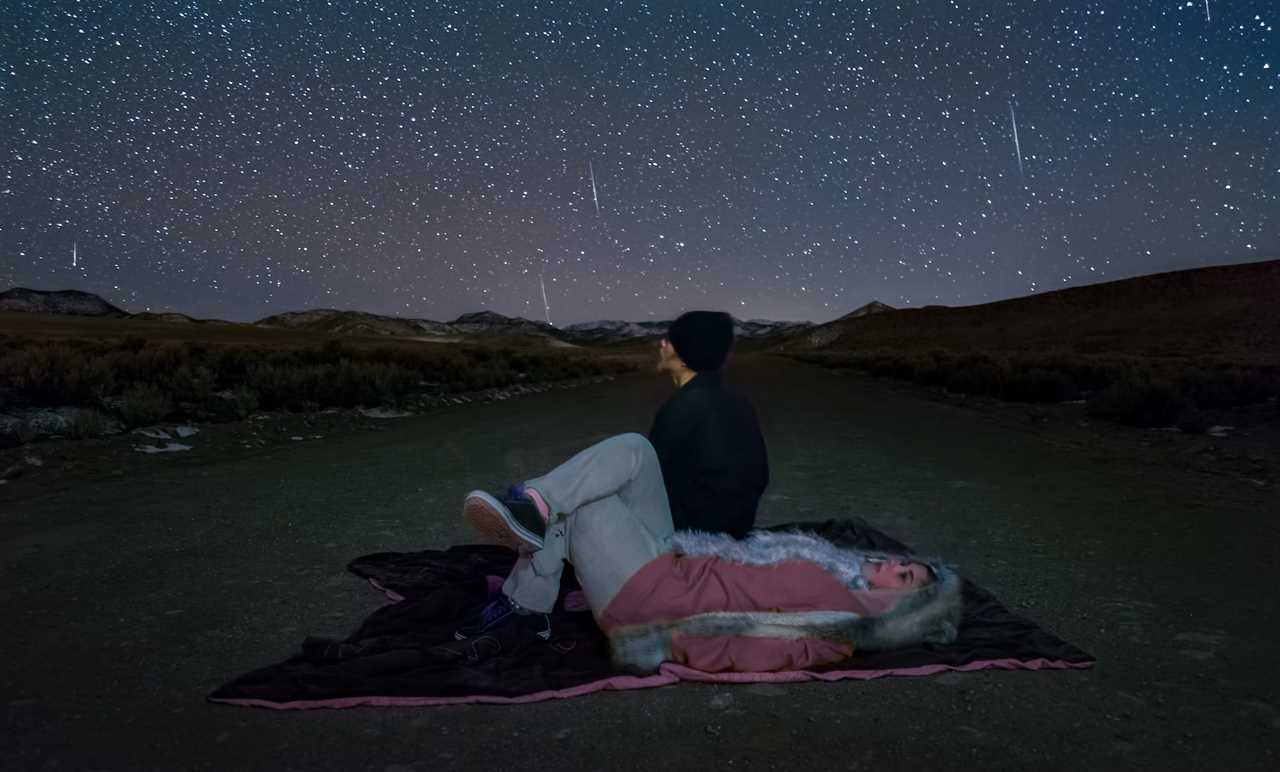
(634, 438)
(646, 457)
(637, 442)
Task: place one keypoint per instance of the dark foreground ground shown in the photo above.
(126, 600)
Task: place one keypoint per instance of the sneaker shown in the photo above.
(502, 614)
(503, 640)
(511, 520)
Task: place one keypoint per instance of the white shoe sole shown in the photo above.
(488, 516)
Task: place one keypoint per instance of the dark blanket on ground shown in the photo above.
(393, 659)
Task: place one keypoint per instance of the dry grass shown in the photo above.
(1138, 391)
(1133, 391)
(144, 372)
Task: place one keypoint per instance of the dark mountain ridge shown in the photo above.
(58, 302)
(482, 324)
(1230, 311)
(1226, 311)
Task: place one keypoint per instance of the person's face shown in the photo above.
(894, 574)
(667, 357)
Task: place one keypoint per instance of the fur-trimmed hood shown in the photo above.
(929, 614)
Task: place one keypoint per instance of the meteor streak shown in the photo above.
(594, 196)
(73, 254)
(1206, 11)
(545, 305)
(1017, 146)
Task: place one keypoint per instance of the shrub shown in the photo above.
(230, 405)
(331, 351)
(1139, 400)
(56, 374)
(190, 383)
(86, 424)
(448, 369)
(882, 366)
(1093, 376)
(195, 377)
(369, 383)
(230, 365)
(929, 371)
(479, 378)
(1219, 388)
(244, 401)
(144, 404)
(1039, 384)
(978, 376)
(17, 433)
(147, 365)
(1084, 373)
(288, 388)
(520, 362)
(1194, 422)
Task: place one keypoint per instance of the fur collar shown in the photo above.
(764, 548)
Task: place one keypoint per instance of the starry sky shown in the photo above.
(778, 160)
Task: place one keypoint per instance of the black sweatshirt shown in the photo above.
(712, 455)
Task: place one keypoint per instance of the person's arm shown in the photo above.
(674, 435)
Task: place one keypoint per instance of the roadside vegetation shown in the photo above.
(1134, 391)
(138, 382)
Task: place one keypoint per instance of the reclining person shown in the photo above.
(773, 601)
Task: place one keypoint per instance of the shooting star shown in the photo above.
(74, 256)
(1017, 146)
(594, 196)
(545, 305)
(1206, 11)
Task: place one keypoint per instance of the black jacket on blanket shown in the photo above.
(712, 455)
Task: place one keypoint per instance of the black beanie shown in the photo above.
(702, 338)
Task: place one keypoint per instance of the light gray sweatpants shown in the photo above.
(614, 517)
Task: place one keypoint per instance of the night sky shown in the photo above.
(780, 160)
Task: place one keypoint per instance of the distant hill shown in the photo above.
(479, 324)
(609, 332)
(355, 323)
(596, 333)
(1226, 312)
(488, 324)
(825, 334)
(874, 307)
(58, 302)
(173, 316)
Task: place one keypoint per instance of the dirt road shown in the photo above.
(126, 601)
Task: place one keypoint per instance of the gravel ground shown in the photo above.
(135, 584)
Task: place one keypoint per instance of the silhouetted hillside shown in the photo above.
(59, 302)
(1226, 312)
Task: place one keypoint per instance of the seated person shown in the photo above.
(707, 436)
(774, 601)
